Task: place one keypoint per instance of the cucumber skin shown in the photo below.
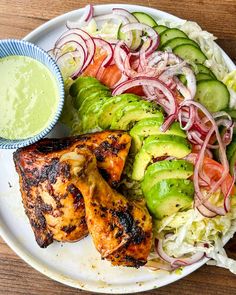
(182, 41)
(160, 29)
(175, 33)
(145, 18)
(198, 57)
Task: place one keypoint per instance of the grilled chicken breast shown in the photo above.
(121, 230)
(49, 184)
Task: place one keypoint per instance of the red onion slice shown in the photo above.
(81, 37)
(90, 47)
(206, 212)
(74, 35)
(222, 152)
(157, 56)
(104, 45)
(159, 265)
(120, 54)
(84, 19)
(227, 201)
(65, 58)
(152, 82)
(181, 261)
(125, 13)
(189, 120)
(146, 29)
(191, 80)
(136, 40)
(71, 46)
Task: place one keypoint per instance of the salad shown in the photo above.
(168, 85)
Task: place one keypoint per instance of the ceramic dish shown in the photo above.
(20, 47)
(79, 264)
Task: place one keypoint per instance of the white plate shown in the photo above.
(78, 264)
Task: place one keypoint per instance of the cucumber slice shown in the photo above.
(160, 29)
(190, 53)
(171, 34)
(201, 69)
(202, 76)
(178, 41)
(145, 18)
(213, 94)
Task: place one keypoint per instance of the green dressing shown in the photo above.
(29, 97)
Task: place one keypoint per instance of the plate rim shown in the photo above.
(24, 255)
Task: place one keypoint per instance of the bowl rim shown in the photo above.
(18, 143)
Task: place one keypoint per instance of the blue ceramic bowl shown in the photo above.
(19, 47)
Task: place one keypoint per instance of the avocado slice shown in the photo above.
(133, 112)
(88, 91)
(169, 196)
(90, 118)
(159, 146)
(92, 99)
(175, 169)
(82, 82)
(110, 108)
(151, 126)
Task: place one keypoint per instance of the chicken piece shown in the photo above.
(49, 185)
(121, 230)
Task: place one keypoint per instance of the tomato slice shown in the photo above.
(214, 170)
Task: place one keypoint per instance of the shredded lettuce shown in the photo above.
(190, 232)
(230, 82)
(108, 31)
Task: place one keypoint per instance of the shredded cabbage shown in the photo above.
(190, 232)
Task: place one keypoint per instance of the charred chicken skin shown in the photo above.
(121, 230)
(49, 183)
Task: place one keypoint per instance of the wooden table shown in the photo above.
(19, 17)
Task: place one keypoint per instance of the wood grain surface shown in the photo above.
(19, 17)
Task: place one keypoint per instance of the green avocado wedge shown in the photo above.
(89, 119)
(87, 92)
(111, 106)
(82, 82)
(175, 169)
(151, 126)
(132, 112)
(169, 196)
(159, 146)
(92, 99)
